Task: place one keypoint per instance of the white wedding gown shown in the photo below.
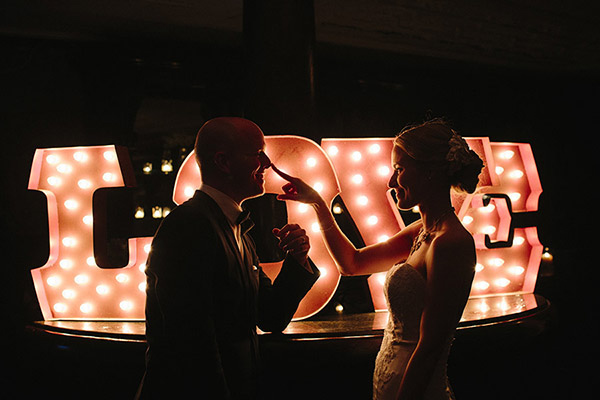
(404, 290)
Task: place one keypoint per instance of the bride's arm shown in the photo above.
(350, 260)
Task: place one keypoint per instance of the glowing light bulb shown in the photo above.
(64, 168)
(357, 179)
(166, 166)
(496, 262)
(68, 294)
(147, 248)
(315, 227)
(481, 285)
(362, 200)
(60, 307)
(122, 278)
(91, 261)
(516, 270)
(86, 308)
(502, 282)
(499, 170)
(88, 219)
(302, 208)
(142, 267)
(52, 159)
(514, 196)
(53, 181)
(516, 174)
(374, 148)
(126, 305)
(110, 156)
(108, 177)
(53, 281)
(487, 209)
(66, 264)
(139, 213)
(84, 184)
(337, 209)
(356, 155)
(507, 154)
(142, 287)
(102, 289)
(189, 191)
(147, 168)
(311, 162)
(383, 238)
(333, 150)
(479, 267)
(383, 170)
(71, 204)
(80, 156)
(69, 241)
(488, 230)
(467, 219)
(318, 186)
(81, 279)
(372, 220)
(518, 240)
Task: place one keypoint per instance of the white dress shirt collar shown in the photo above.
(230, 207)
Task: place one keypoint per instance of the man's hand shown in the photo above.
(294, 240)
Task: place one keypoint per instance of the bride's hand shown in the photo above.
(296, 189)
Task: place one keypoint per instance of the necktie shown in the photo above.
(244, 221)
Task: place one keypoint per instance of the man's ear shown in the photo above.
(222, 162)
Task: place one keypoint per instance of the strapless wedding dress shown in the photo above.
(405, 290)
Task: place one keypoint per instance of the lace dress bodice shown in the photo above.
(405, 290)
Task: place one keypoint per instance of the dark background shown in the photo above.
(147, 74)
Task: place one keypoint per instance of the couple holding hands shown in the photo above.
(206, 292)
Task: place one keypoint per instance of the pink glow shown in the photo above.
(71, 285)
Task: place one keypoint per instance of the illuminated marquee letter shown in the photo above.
(303, 158)
(71, 285)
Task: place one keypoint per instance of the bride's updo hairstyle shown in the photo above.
(435, 144)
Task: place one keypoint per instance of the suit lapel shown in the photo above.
(245, 261)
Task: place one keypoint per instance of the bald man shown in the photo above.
(206, 292)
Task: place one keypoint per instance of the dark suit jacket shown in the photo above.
(204, 301)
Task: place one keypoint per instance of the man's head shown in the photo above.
(230, 154)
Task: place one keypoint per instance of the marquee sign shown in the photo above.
(71, 285)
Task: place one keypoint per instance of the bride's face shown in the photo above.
(408, 180)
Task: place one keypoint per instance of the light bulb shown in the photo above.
(86, 308)
(53, 181)
(84, 184)
(110, 156)
(374, 148)
(102, 289)
(71, 204)
(80, 156)
(362, 200)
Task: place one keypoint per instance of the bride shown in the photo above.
(430, 264)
